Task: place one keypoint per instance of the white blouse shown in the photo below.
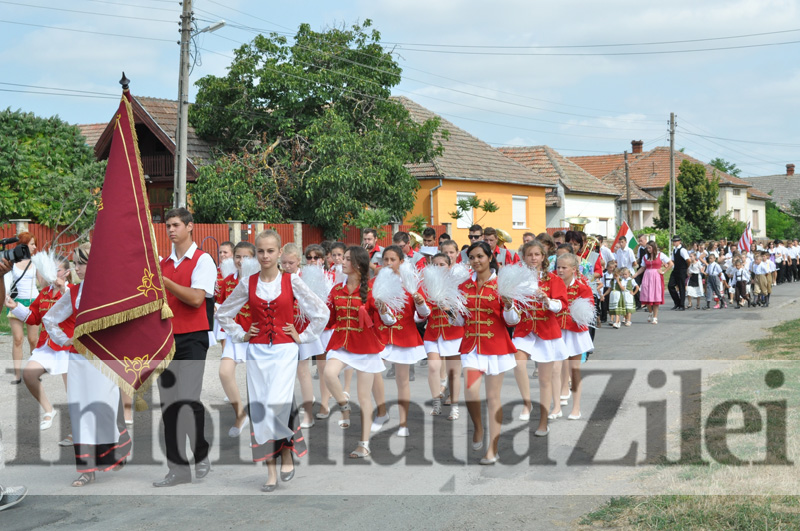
(27, 283)
(312, 307)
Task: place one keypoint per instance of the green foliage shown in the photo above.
(728, 228)
(471, 204)
(725, 166)
(71, 200)
(237, 186)
(661, 237)
(696, 202)
(781, 225)
(372, 219)
(418, 223)
(35, 154)
(338, 143)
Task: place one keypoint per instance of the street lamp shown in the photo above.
(181, 133)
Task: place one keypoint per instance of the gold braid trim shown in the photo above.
(121, 317)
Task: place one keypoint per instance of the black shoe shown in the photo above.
(202, 468)
(171, 480)
(675, 307)
(268, 488)
(681, 309)
(390, 373)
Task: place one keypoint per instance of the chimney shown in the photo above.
(789, 169)
(636, 146)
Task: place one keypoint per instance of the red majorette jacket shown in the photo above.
(439, 325)
(244, 318)
(353, 328)
(403, 333)
(40, 306)
(578, 290)
(485, 327)
(540, 320)
(271, 316)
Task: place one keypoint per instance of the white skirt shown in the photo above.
(93, 403)
(541, 350)
(692, 291)
(235, 351)
(404, 355)
(488, 364)
(307, 350)
(271, 373)
(325, 338)
(361, 362)
(576, 343)
(219, 333)
(53, 361)
(211, 340)
(446, 348)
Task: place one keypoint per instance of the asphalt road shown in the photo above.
(429, 481)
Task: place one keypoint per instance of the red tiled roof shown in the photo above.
(92, 132)
(600, 165)
(165, 114)
(554, 166)
(467, 158)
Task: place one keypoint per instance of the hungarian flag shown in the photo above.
(123, 319)
(626, 231)
(746, 241)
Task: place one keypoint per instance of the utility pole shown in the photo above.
(672, 221)
(628, 191)
(179, 195)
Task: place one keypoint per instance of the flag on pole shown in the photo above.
(124, 320)
(626, 231)
(746, 241)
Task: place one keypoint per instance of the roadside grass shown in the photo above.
(5, 329)
(732, 491)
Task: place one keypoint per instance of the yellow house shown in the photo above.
(470, 167)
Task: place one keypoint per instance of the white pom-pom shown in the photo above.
(460, 272)
(518, 283)
(250, 267)
(388, 289)
(409, 276)
(227, 267)
(441, 288)
(317, 281)
(45, 264)
(582, 312)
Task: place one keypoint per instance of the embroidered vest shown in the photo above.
(187, 318)
(485, 328)
(271, 316)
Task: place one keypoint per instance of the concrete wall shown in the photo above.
(596, 208)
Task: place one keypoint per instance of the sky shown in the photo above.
(582, 76)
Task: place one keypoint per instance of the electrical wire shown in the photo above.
(49, 8)
(85, 31)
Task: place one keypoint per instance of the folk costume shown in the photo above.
(576, 338)
(233, 350)
(51, 356)
(442, 334)
(398, 332)
(101, 438)
(181, 383)
(538, 333)
(621, 297)
(486, 346)
(652, 290)
(354, 341)
(272, 356)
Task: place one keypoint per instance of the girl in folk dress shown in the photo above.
(576, 337)
(487, 348)
(538, 337)
(694, 288)
(442, 339)
(404, 346)
(272, 354)
(21, 286)
(622, 304)
(234, 353)
(654, 264)
(102, 441)
(47, 356)
(290, 263)
(354, 342)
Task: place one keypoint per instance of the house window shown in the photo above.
(736, 191)
(755, 220)
(602, 227)
(465, 221)
(519, 211)
(737, 214)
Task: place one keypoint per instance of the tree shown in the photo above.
(47, 172)
(696, 201)
(471, 204)
(781, 225)
(725, 166)
(338, 143)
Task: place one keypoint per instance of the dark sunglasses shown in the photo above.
(473, 237)
(313, 257)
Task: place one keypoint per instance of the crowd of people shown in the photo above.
(277, 309)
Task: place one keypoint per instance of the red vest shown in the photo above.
(485, 328)
(226, 287)
(439, 325)
(403, 333)
(187, 318)
(539, 320)
(40, 306)
(270, 317)
(353, 328)
(578, 289)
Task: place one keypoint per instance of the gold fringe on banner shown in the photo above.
(166, 311)
(121, 317)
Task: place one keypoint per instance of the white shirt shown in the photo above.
(27, 283)
(314, 309)
(625, 258)
(682, 251)
(713, 270)
(204, 276)
(606, 254)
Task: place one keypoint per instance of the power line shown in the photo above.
(138, 6)
(49, 8)
(746, 141)
(59, 94)
(85, 31)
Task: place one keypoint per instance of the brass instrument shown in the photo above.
(416, 239)
(577, 223)
(503, 237)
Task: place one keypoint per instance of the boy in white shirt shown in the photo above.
(714, 282)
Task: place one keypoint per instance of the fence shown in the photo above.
(208, 236)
